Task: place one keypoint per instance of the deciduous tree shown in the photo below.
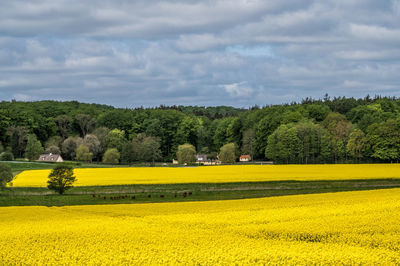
(111, 156)
(64, 124)
(115, 139)
(61, 178)
(70, 145)
(228, 153)
(85, 123)
(358, 144)
(83, 153)
(151, 149)
(33, 148)
(186, 153)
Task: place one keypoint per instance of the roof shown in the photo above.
(245, 156)
(49, 157)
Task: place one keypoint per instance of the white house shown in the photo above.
(55, 158)
(245, 158)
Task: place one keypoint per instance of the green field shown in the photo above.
(19, 166)
(120, 194)
(19, 196)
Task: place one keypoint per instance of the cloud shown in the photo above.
(238, 90)
(23, 97)
(237, 52)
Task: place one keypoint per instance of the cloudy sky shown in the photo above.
(216, 52)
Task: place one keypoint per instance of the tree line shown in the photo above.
(328, 130)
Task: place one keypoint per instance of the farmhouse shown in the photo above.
(245, 158)
(201, 158)
(212, 162)
(51, 158)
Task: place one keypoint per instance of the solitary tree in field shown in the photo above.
(5, 174)
(61, 178)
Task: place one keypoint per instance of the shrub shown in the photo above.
(6, 156)
(5, 174)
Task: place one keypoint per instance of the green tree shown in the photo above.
(318, 111)
(220, 133)
(83, 153)
(115, 139)
(85, 123)
(284, 144)
(33, 148)
(18, 137)
(187, 131)
(203, 135)
(128, 154)
(339, 129)
(111, 156)
(138, 147)
(54, 141)
(265, 127)
(93, 143)
(70, 145)
(101, 134)
(358, 144)
(248, 142)
(64, 124)
(338, 149)
(53, 150)
(4, 123)
(315, 142)
(234, 131)
(153, 127)
(61, 178)
(228, 153)
(6, 175)
(151, 149)
(325, 146)
(186, 153)
(122, 119)
(385, 140)
(6, 156)
(291, 117)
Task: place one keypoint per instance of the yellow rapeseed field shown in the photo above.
(214, 174)
(333, 228)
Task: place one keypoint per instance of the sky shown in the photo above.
(208, 53)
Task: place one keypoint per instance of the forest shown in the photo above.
(328, 130)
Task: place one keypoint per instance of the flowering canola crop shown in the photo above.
(333, 228)
(214, 174)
